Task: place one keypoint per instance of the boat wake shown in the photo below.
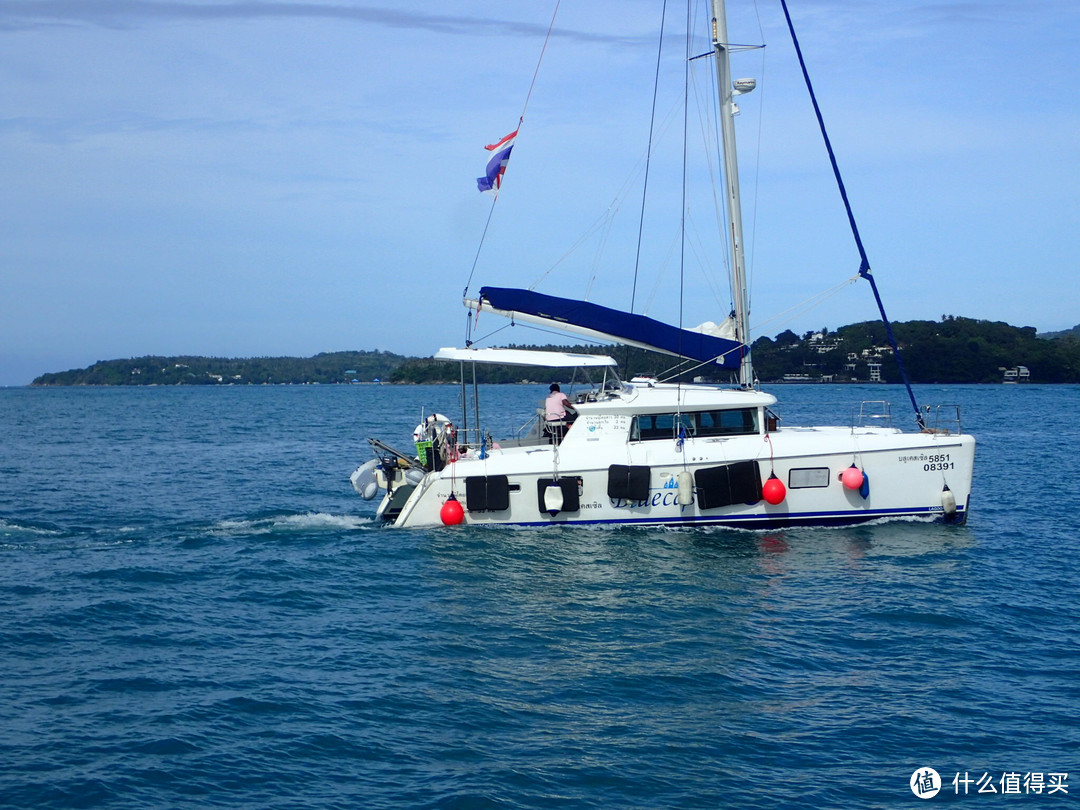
(12, 531)
(305, 523)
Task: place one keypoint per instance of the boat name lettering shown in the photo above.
(665, 497)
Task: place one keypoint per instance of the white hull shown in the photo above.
(906, 475)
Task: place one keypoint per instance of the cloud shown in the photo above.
(121, 14)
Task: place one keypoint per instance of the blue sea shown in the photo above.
(196, 610)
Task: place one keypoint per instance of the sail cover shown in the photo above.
(596, 321)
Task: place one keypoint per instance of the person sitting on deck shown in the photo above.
(555, 414)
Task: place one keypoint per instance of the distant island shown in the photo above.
(327, 368)
(952, 350)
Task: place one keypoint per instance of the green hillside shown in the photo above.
(953, 350)
(331, 367)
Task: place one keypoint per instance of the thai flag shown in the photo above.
(496, 167)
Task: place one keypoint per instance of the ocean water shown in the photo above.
(197, 611)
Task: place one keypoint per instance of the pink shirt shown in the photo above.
(555, 406)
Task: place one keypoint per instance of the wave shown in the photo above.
(286, 524)
(10, 527)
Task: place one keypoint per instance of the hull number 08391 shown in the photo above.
(939, 461)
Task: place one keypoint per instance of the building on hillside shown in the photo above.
(1016, 374)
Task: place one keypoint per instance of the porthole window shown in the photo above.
(808, 477)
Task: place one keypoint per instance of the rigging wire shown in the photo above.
(864, 266)
(682, 211)
(648, 155)
(687, 74)
(702, 254)
(789, 314)
(660, 273)
(491, 210)
(495, 331)
(711, 144)
(752, 241)
(605, 221)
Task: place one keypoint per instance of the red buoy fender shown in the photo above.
(773, 490)
(852, 477)
(452, 512)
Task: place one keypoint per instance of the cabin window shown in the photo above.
(650, 426)
(730, 422)
(733, 422)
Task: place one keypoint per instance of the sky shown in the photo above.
(261, 178)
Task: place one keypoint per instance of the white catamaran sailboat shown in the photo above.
(651, 453)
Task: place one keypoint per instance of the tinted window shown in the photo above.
(732, 422)
(727, 423)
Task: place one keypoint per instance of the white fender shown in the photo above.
(948, 502)
(363, 480)
(553, 499)
(685, 495)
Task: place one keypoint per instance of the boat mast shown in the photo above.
(725, 88)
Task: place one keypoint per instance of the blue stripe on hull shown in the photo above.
(762, 521)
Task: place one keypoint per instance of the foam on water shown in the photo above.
(9, 528)
(284, 524)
